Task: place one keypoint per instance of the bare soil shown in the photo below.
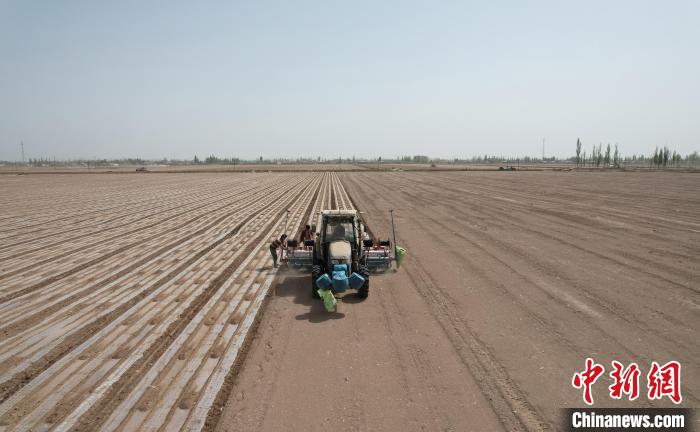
(511, 281)
(127, 302)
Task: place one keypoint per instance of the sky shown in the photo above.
(151, 79)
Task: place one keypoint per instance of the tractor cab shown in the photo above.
(339, 225)
(338, 240)
(339, 229)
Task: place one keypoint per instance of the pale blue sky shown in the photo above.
(280, 78)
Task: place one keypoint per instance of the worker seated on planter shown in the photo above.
(306, 235)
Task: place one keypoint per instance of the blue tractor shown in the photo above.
(342, 255)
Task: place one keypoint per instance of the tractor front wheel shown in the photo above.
(363, 291)
(315, 274)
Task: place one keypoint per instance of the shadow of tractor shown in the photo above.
(297, 286)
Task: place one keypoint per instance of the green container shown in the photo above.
(400, 255)
(329, 300)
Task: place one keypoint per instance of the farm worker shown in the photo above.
(276, 243)
(306, 234)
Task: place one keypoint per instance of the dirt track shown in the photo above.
(512, 280)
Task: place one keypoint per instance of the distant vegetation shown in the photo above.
(599, 157)
(662, 158)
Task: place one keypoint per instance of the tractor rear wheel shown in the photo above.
(363, 291)
(315, 274)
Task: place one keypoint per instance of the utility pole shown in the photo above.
(542, 149)
(21, 143)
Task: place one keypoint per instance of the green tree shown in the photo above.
(607, 156)
(196, 159)
(421, 159)
(616, 158)
(578, 151)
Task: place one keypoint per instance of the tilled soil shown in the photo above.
(512, 280)
(125, 300)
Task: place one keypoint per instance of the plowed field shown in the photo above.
(124, 300)
(127, 301)
(512, 280)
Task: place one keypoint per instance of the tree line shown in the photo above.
(596, 158)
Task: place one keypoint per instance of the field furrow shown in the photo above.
(127, 302)
(101, 311)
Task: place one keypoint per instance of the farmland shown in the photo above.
(127, 300)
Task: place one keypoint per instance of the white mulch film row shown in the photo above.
(120, 238)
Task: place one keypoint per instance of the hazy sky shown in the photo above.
(294, 78)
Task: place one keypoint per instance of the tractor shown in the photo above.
(342, 254)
